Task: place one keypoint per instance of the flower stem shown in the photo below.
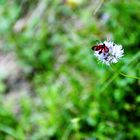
(129, 76)
(125, 75)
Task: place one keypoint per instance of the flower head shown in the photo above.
(108, 52)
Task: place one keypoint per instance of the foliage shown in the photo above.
(73, 96)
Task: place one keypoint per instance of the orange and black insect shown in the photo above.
(101, 48)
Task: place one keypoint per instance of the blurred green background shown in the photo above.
(51, 85)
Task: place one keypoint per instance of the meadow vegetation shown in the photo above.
(71, 95)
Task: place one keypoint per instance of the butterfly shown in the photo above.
(102, 48)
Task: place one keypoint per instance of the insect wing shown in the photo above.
(97, 48)
(93, 47)
(106, 49)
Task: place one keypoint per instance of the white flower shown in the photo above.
(108, 52)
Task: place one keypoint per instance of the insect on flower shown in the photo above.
(101, 48)
(108, 52)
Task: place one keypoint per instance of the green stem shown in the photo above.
(108, 82)
(129, 76)
(125, 75)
